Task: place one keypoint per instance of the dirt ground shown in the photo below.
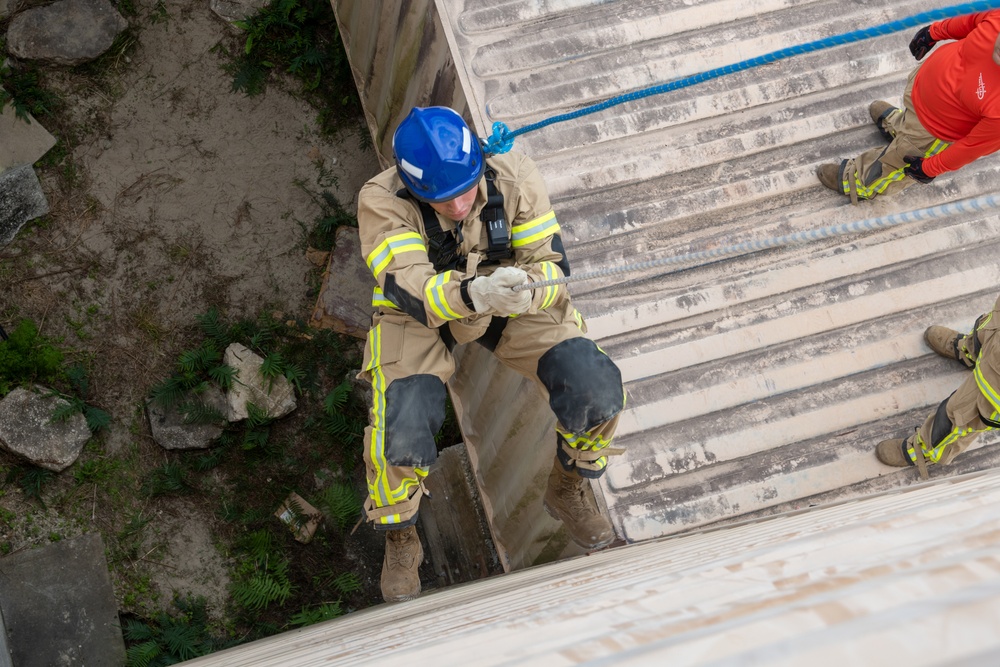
(177, 195)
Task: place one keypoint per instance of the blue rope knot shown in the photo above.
(501, 141)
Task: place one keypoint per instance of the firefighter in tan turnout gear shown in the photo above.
(972, 409)
(950, 114)
(447, 233)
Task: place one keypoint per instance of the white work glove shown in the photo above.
(493, 293)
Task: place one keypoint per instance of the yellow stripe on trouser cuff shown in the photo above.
(380, 257)
(585, 443)
(879, 186)
(379, 489)
(434, 292)
(989, 392)
(533, 230)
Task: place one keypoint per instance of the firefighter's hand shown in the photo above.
(493, 293)
(922, 42)
(915, 169)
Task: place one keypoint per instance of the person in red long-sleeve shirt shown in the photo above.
(950, 114)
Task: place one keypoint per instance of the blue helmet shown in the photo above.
(437, 156)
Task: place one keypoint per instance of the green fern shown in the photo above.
(317, 614)
(268, 586)
(223, 375)
(97, 419)
(294, 375)
(347, 583)
(199, 412)
(170, 391)
(141, 655)
(168, 479)
(183, 641)
(70, 407)
(31, 479)
(337, 398)
(213, 327)
(200, 359)
(340, 504)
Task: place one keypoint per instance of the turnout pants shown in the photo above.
(975, 405)
(880, 170)
(408, 365)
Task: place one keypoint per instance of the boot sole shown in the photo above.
(585, 545)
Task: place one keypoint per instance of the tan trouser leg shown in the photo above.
(942, 437)
(880, 170)
(527, 339)
(400, 349)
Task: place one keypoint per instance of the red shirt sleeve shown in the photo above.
(958, 27)
(982, 140)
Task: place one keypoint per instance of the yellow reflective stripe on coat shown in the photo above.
(551, 291)
(533, 230)
(380, 257)
(434, 291)
(379, 299)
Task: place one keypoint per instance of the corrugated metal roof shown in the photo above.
(908, 577)
(759, 383)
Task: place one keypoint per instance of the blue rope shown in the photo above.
(502, 138)
(978, 204)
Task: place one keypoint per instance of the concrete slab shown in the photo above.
(21, 142)
(21, 200)
(58, 606)
(4, 650)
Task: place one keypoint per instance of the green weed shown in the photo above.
(23, 89)
(167, 639)
(27, 357)
(298, 37)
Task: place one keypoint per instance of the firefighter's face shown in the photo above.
(459, 207)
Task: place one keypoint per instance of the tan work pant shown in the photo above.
(959, 419)
(408, 365)
(880, 170)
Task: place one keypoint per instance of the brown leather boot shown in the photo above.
(570, 499)
(829, 175)
(890, 452)
(944, 341)
(403, 555)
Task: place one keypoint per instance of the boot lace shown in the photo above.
(572, 490)
(398, 550)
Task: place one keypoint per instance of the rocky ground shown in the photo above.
(169, 194)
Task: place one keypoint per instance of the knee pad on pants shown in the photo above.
(414, 414)
(584, 385)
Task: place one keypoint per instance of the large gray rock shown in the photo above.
(345, 300)
(68, 32)
(21, 200)
(21, 142)
(169, 430)
(236, 10)
(276, 397)
(28, 430)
